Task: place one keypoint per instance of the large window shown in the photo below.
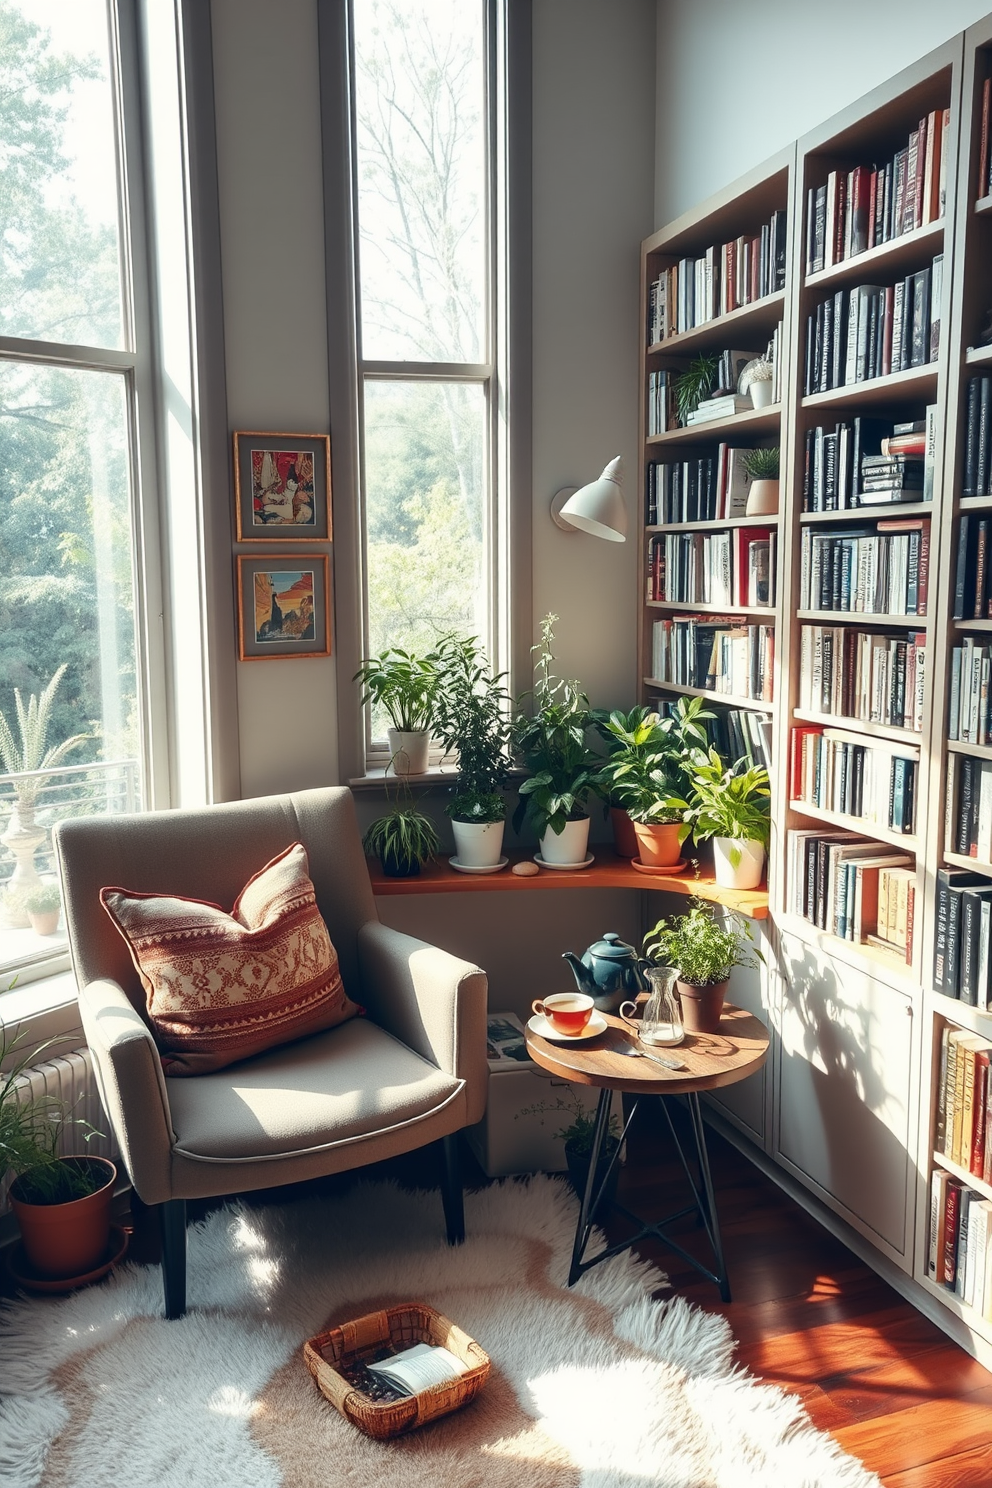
(426, 76)
(70, 733)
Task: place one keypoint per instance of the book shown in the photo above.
(419, 1367)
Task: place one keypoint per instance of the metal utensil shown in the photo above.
(663, 1059)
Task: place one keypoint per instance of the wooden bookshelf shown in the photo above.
(749, 424)
(856, 617)
(885, 259)
(757, 319)
(860, 726)
(916, 384)
(766, 612)
(719, 525)
(854, 514)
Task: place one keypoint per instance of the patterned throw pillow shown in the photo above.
(222, 987)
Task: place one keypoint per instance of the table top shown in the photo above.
(711, 1059)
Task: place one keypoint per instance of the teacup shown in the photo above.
(567, 1012)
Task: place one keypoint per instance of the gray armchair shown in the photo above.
(413, 1071)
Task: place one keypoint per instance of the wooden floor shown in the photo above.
(807, 1314)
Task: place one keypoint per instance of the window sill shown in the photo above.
(377, 779)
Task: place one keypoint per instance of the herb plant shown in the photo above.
(43, 900)
(472, 716)
(31, 1131)
(704, 951)
(579, 1132)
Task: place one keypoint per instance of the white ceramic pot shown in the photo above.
(761, 393)
(478, 844)
(762, 498)
(570, 846)
(408, 752)
(737, 863)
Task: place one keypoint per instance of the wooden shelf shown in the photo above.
(978, 1184)
(976, 1020)
(911, 247)
(979, 751)
(752, 422)
(754, 704)
(608, 872)
(917, 383)
(959, 860)
(873, 961)
(975, 503)
(852, 617)
(725, 330)
(688, 608)
(716, 525)
(869, 513)
(983, 206)
(972, 624)
(904, 840)
(978, 356)
(859, 726)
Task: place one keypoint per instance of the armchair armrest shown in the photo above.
(430, 1000)
(132, 1086)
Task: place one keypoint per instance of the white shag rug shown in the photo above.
(594, 1387)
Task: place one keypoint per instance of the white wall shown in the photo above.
(791, 63)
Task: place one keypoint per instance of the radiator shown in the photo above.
(69, 1078)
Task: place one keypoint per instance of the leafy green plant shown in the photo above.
(762, 464)
(472, 716)
(649, 759)
(730, 801)
(694, 384)
(579, 1132)
(31, 1130)
(563, 771)
(703, 950)
(43, 900)
(402, 840)
(29, 752)
(401, 685)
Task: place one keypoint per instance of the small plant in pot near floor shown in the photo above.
(562, 769)
(62, 1204)
(704, 952)
(403, 841)
(578, 1138)
(472, 717)
(401, 686)
(732, 806)
(647, 773)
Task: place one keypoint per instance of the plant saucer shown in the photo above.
(670, 872)
(472, 868)
(564, 867)
(26, 1276)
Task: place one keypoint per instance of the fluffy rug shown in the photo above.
(597, 1387)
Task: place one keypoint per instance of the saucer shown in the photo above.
(467, 868)
(564, 867)
(25, 1275)
(539, 1024)
(668, 872)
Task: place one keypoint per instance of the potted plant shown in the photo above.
(562, 769)
(402, 686)
(402, 841)
(704, 952)
(694, 384)
(732, 805)
(647, 772)
(578, 1137)
(43, 906)
(762, 465)
(472, 717)
(62, 1204)
(757, 379)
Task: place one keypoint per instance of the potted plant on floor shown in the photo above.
(43, 906)
(732, 805)
(704, 952)
(402, 686)
(762, 465)
(62, 1204)
(403, 841)
(647, 772)
(578, 1137)
(563, 771)
(472, 718)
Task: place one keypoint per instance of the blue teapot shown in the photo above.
(609, 972)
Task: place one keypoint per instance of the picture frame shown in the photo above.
(292, 588)
(282, 487)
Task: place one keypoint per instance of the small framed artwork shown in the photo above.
(282, 487)
(284, 605)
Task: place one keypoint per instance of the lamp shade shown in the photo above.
(599, 507)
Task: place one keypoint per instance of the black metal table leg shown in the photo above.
(589, 1206)
(711, 1220)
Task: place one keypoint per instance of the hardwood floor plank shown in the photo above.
(942, 1373)
(966, 1470)
(923, 1434)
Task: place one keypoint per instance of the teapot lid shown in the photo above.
(612, 947)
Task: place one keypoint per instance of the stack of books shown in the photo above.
(873, 330)
(968, 808)
(858, 209)
(853, 888)
(882, 570)
(661, 411)
(839, 462)
(970, 708)
(736, 567)
(843, 773)
(723, 655)
(960, 1255)
(977, 479)
(973, 569)
(707, 489)
(726, 277)
(963, 918)
(863, 675)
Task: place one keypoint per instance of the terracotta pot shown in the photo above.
(624, 836)
(658, 843)
(702, 1007)
(65, 1240)
(45, 923)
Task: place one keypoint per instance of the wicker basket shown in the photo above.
(389, 1331)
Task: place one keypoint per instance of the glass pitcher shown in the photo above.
(660, 1024)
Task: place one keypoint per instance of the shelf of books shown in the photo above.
(716, 289)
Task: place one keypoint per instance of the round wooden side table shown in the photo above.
(706, 1061)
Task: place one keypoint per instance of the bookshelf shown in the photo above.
(857, 1025)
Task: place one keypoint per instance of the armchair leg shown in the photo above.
(172, 1224)
(451, 1190)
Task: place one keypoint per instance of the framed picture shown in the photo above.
(284, 606)
(282, 487)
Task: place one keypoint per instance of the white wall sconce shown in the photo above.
(597, 508)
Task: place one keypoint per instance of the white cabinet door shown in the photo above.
(844, 1090)
(746, 1103)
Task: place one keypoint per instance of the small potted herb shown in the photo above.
(647, 770)
(577, 1136)
(403, 840)
(402, 686)
(43, 905)
(762, 465)
(704, 952)
(472, 717)
(732, 805)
